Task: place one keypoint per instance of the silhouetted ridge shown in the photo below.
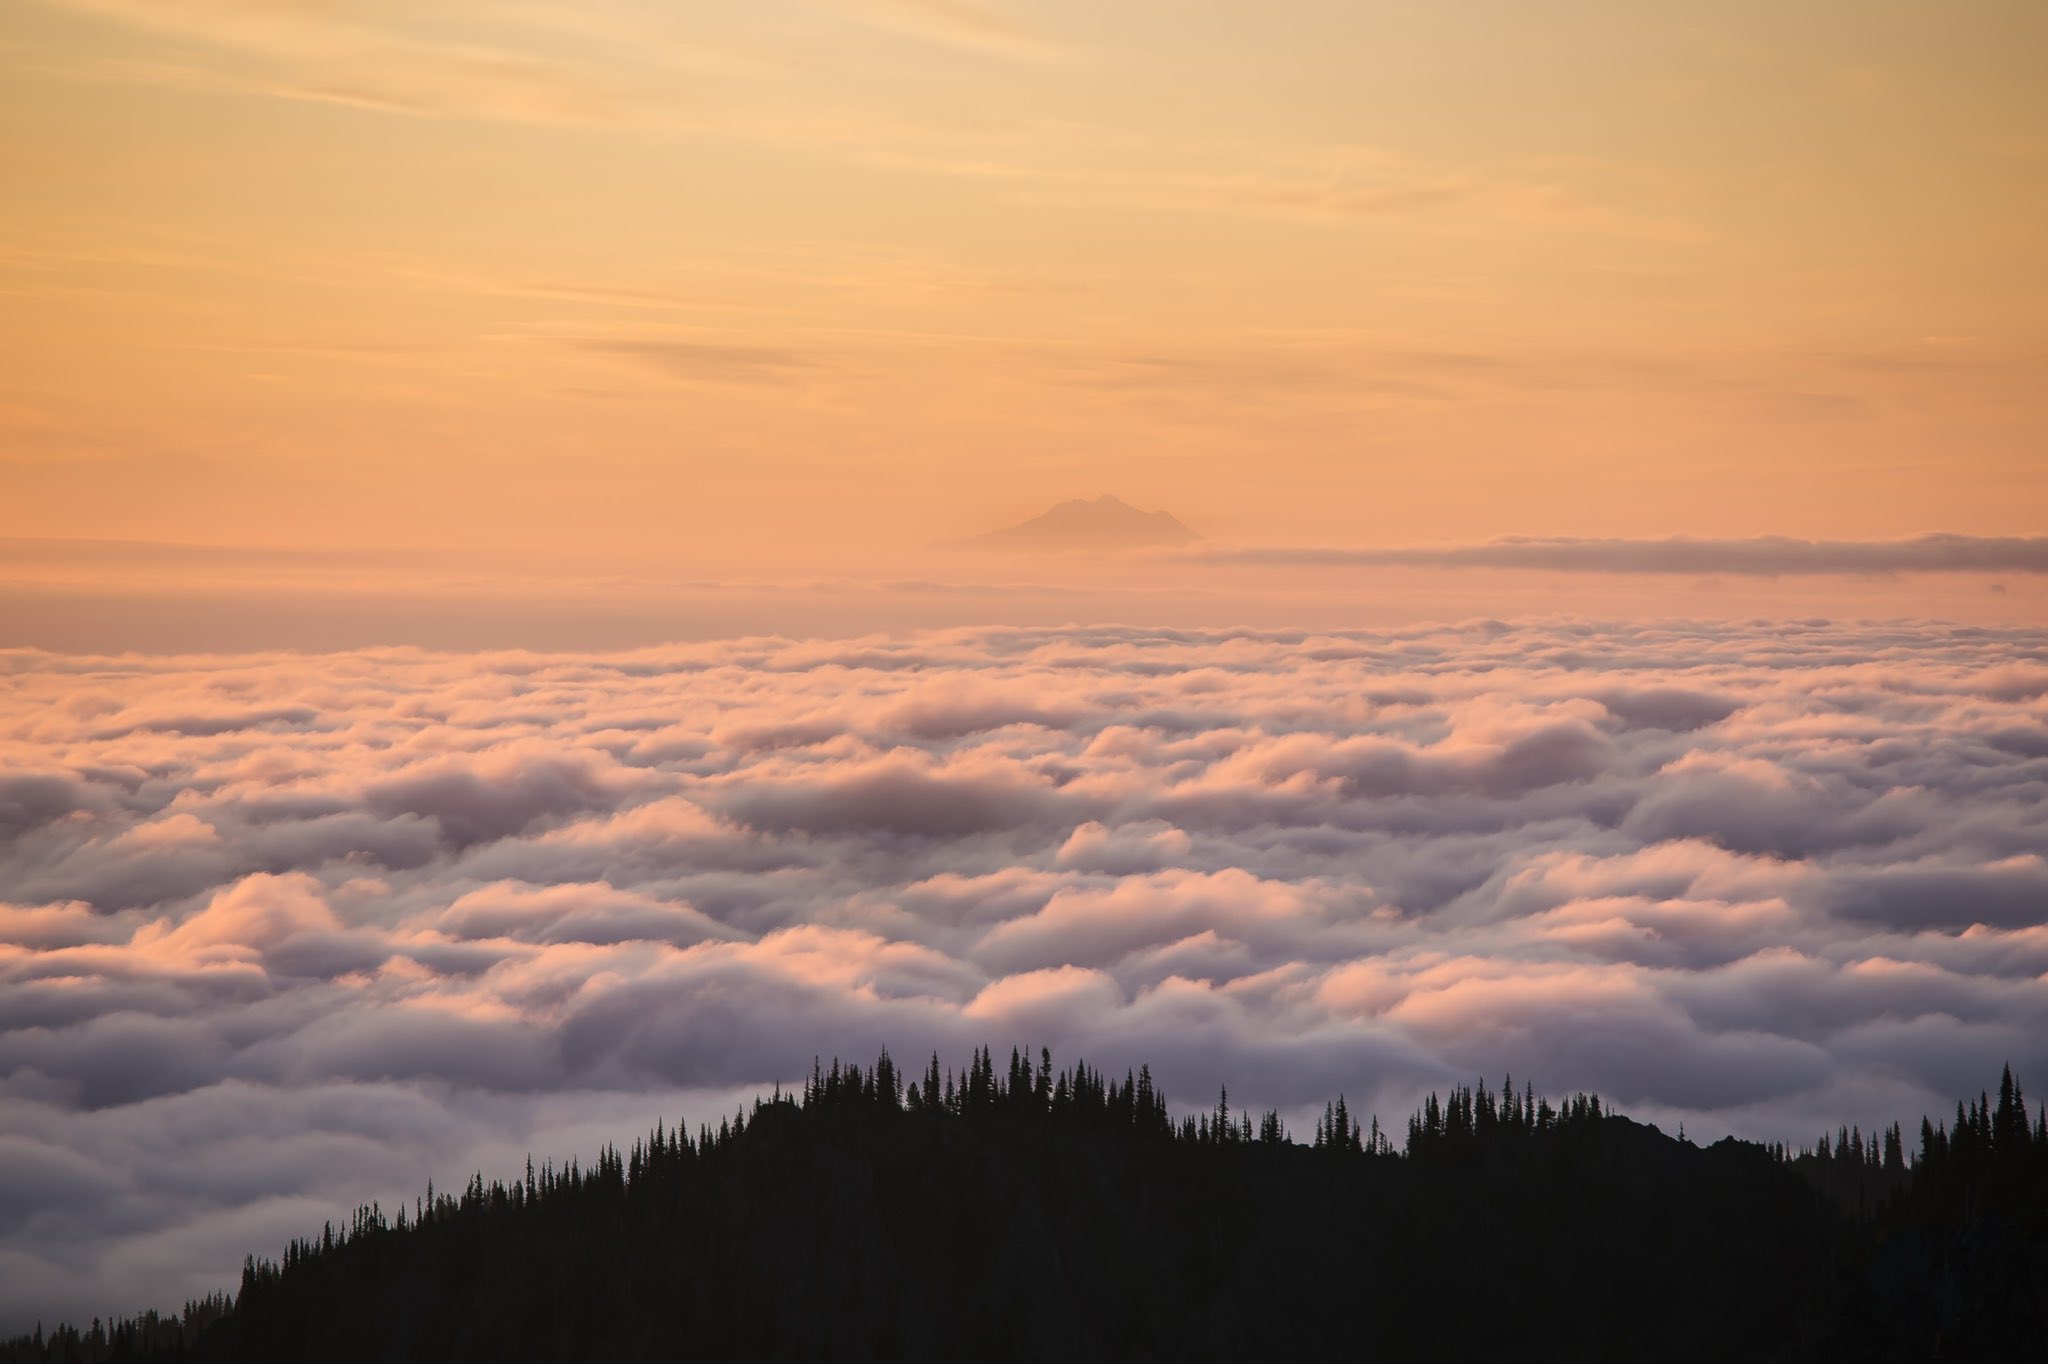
(1106, 524)
(1024, 1212)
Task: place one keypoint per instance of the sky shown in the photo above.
(741, 286)
(485, 661)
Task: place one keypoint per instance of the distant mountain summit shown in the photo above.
(1107, 523)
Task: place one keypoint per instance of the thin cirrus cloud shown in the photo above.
(613, 66)
(281, 932)
(956, 23)
(1763, 555)
(702, 362)
(384, 58)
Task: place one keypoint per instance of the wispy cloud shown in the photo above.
(1764, 555)
(957, 23)
(441, 60)
(710, 362)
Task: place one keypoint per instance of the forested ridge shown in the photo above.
(1029, 1212)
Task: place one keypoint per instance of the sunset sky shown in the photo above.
(485, 660)
(805, 279)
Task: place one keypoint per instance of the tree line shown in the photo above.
(656, 1245)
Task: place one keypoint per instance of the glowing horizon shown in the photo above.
(840, 273)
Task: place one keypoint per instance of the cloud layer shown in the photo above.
(1762, 555)
(279, 933)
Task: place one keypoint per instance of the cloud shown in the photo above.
(956, 23)
(1765, 556)
(281, 932)
(252, 916)
(1145, 846)
(479, 797)
(432, 59)
(709, 362)
(898, 796)
(1668, 708)
(30, 800)
(593, 913)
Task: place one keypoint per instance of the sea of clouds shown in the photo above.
(283, 933)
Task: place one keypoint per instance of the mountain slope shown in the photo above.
(1104, 525)
(1042, 1217)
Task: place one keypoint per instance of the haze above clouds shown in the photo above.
(284, 933)
(113, 596)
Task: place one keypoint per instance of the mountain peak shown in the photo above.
(1099, 525)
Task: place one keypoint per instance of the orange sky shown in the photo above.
(785, 281)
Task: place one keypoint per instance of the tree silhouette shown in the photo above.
(1035, 1212)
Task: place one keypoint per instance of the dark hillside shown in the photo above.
(1035, 1215)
